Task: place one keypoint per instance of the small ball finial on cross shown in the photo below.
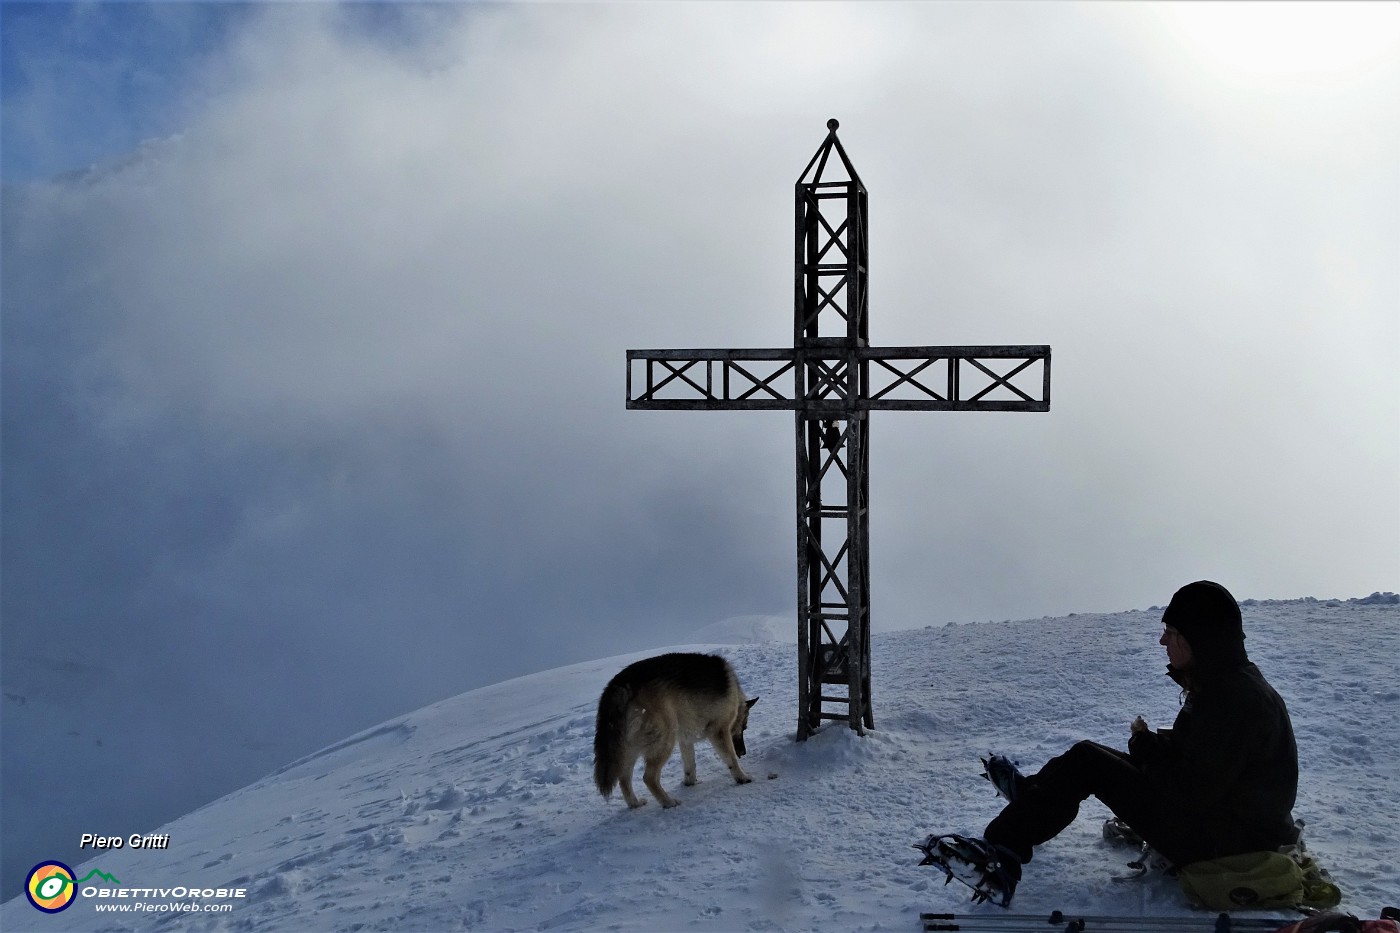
(832, 124)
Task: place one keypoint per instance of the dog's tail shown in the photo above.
(610, 736)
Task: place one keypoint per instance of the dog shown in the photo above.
(655, 703)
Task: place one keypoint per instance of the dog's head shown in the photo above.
(740, 725)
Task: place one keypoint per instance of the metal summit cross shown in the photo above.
(837, 380)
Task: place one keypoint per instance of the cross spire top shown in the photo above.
(820, 160)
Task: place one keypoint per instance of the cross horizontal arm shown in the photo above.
(967, 378)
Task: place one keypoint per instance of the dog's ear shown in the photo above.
(752, 702)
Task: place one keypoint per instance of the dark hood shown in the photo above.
(1208, 617)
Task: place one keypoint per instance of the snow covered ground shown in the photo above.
(479, 812)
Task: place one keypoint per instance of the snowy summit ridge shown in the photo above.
(478, 812)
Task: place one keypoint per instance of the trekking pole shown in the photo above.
(1059, 922)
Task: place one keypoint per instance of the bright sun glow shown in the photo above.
(1270, 39)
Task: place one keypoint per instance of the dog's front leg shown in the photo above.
(724, 746)
(688, 759)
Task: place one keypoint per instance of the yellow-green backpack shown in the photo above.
(1288, 877)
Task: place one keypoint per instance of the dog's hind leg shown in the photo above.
(651, 775)
(624, 781)
(688, 759)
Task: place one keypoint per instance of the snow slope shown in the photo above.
(479, 812)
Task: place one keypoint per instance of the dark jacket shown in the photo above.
(1230, 759)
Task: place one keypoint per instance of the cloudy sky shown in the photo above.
(315, 317)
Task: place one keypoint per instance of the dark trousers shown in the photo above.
(1048, 801)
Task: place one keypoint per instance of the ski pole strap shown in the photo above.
(1059, 922)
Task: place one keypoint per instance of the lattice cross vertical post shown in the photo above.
(837, 380)
(830, 323)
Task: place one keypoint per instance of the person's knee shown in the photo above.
(1085, 750)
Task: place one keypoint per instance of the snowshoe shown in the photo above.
(1004, 775)
(990, 871)
(1120, 833)
(1149, 861)
(1116, 832)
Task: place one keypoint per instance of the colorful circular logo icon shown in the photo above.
(50, 887)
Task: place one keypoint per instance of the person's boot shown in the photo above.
(1004, 775)
(991, 871)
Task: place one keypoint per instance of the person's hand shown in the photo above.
(1139, 725)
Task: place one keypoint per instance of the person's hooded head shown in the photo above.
(1208, 618)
